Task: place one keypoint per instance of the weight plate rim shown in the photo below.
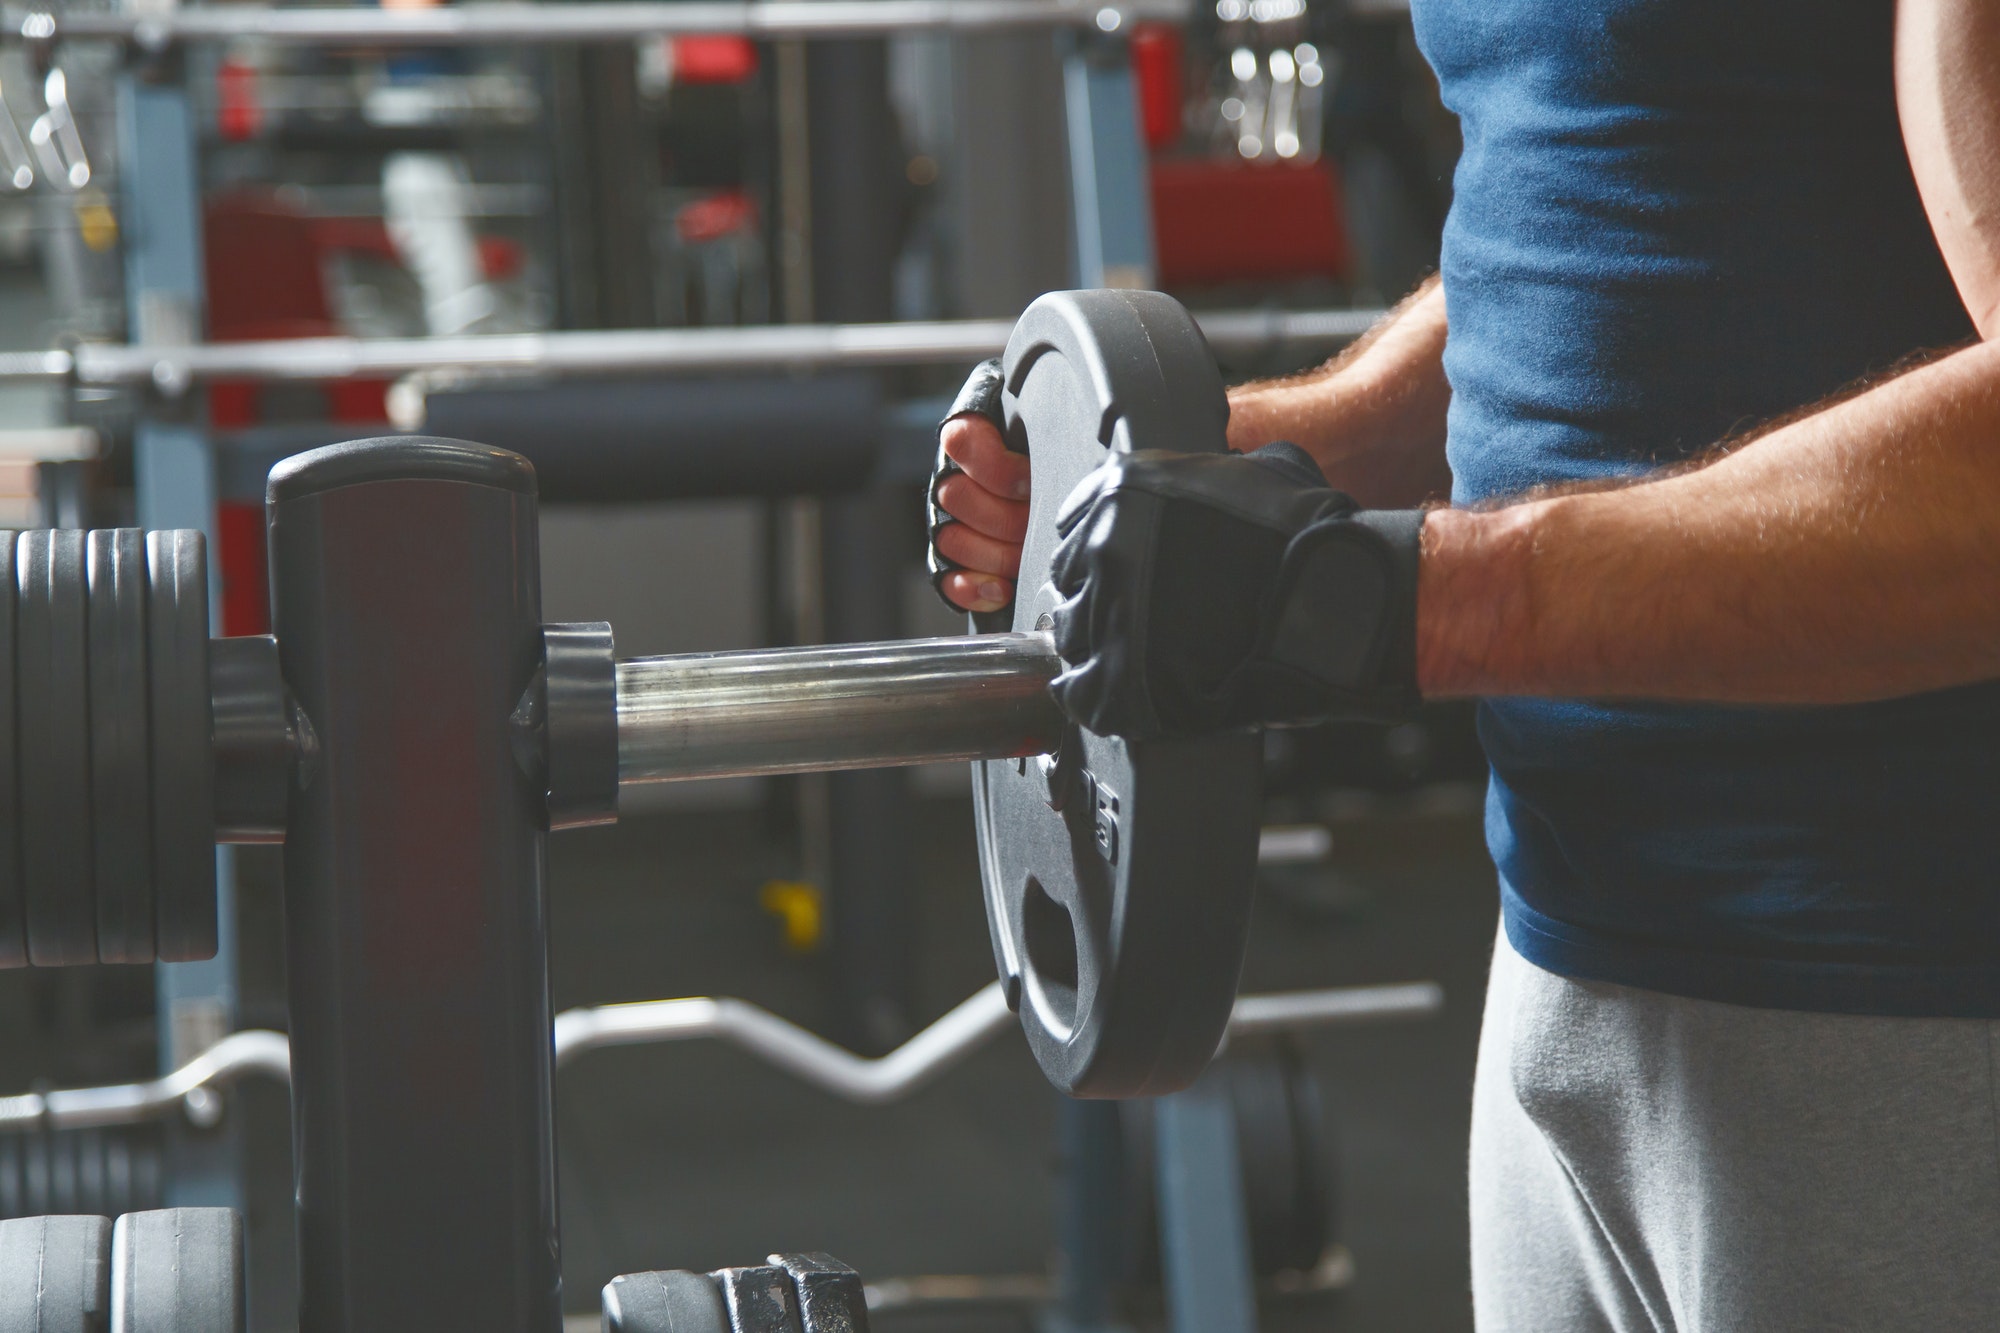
(1141, 353)
(177, 1268)
(183, 762)
(57, 851)
(120, 734)
(13, 900)
(71, 1261)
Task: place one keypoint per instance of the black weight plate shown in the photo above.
(1287, 1174)
(831, 1298)
(1119, 920)
(35, 1175)
(13, 1201)
(183, 754)
(673, 1301)
(177, 1270)
(52, 657)
(760, 1299)
(13, 919)
(86, 1149)
(120, 751)
(55, 1274)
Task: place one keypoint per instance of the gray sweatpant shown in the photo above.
(1646, 1162)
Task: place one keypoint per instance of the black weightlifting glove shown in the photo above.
(1204, 591)
(981, 397)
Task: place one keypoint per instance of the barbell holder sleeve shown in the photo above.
(576, 694)
(865, 705)
(254, 738)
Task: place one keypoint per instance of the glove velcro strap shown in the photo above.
(1344, 613)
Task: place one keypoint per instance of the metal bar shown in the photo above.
(618, 352)
(1108, 168)
(818, 709)
(1204, 1233)
(237, 1056)
(175, 478)
(787, 1046)
(1093, 1199)
(981, 1017)
(1284, 1010)
(577, 23)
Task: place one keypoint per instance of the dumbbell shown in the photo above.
(173, 1270)
(788, 1293)
(412, 731)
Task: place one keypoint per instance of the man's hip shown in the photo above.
(1642, 1161)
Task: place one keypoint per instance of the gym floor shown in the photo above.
(697, 1156)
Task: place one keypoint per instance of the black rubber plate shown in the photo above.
(1119, 920)
(120, 759)
(668, 1302)
(52, 657)
(831, 1298)
(12, 1203)
(760, 1299)
(178, 1269)
(13, 922)
(55, 1273)
(183, 762)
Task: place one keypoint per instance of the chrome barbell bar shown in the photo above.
(821, 708)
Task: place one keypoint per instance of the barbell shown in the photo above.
(1117, 875)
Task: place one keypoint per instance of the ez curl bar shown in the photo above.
(412, 732)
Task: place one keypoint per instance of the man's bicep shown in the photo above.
(1948, 93)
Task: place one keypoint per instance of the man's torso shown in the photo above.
(1676, 220)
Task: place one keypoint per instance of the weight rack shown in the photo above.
(177, 470)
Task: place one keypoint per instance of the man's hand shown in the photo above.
(979, 500)
(1205, 591)
(1372, 419)
(988, 499)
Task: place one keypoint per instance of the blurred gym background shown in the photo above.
(1298, 159)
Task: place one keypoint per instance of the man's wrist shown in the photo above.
(1334, 418)
(1475, 599)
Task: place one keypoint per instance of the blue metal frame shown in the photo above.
(1204, 1243)
(160, 177)
(1204, 1234)
(1109, 191)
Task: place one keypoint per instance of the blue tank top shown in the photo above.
(1675, 219)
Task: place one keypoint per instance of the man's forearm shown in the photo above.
(1852, 555)
(1373, 418)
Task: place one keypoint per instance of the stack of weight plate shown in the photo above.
(106, 772)
(791, 1293)
(108, 1171)
(177, 1270)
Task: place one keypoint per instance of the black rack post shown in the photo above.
(859, 197)
(406, 591)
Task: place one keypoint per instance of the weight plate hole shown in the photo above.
(1051, 939)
